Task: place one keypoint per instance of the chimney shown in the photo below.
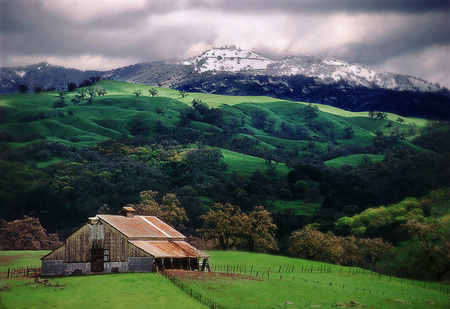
(127, 212)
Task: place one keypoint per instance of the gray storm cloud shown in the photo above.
(410, 37)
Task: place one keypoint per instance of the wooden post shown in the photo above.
(8, 272)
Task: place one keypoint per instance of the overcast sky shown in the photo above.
(403, 36)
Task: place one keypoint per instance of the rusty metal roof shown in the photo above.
(169, 249)
(142, 227)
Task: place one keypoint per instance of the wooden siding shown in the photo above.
(77, 247)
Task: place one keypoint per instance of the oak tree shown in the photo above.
(223, 223)
(258, 230)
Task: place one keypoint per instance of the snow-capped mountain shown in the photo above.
(329, 70)
(230, 59)
(333, 70)
(233, 71)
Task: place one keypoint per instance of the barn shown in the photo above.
(123, 243)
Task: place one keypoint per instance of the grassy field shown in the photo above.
(280, 283)
(353, 160)
(297, 289)
(18, 259)
(299, 207)
(98, 291)
(246, 165)
(116, 113)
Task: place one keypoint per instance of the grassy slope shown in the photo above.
(100, 291)
(118, 111)
(311, 289)
(295, 289)
(353, 160)
(18, 259)
(246, 165)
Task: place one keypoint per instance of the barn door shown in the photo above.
(97, 259)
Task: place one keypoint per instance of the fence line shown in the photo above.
(269, 272)
(195, 295)
(24, 272)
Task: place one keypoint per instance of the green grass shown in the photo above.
(116, 112)
(246, 165)
(353, 160)
(299, 207)
(138, 290)
(299, 289)
(281, 283)
(18, 259)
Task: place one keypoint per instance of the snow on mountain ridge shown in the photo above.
(232, 59)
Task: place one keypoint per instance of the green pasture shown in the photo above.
(299, 207)
(275, 282)
(285, 282)
(18, 259)
(353, 160)
(246, 165)
(132, 290)
(119, 110)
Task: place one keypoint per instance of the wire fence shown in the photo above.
(278, 271)
(194, 294)
(24, 272)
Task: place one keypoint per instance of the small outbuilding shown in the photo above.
(123, 243)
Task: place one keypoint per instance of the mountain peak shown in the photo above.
(327, 69)
(230, 59)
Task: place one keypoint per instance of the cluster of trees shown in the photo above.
(428, 248)
(229, 226)
(200, 111)
(26, 234)
(169, 210)
(153, 92)
(310, 243)
(191, 179)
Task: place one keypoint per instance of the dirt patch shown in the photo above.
(207, 276)
(9, 258)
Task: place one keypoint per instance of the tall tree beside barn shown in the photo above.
(223, 223)
(311, 243)
(169, 210)
(258, 230)
(26, 234)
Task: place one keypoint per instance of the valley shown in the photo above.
(314, 167)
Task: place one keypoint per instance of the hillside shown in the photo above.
(64, 157)
(252, 281)
(233, 71)
(119, 112)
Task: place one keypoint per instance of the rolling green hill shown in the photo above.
(258, 281)
(27, 117)
(253, 133)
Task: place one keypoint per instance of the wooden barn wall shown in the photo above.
(77, 247)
